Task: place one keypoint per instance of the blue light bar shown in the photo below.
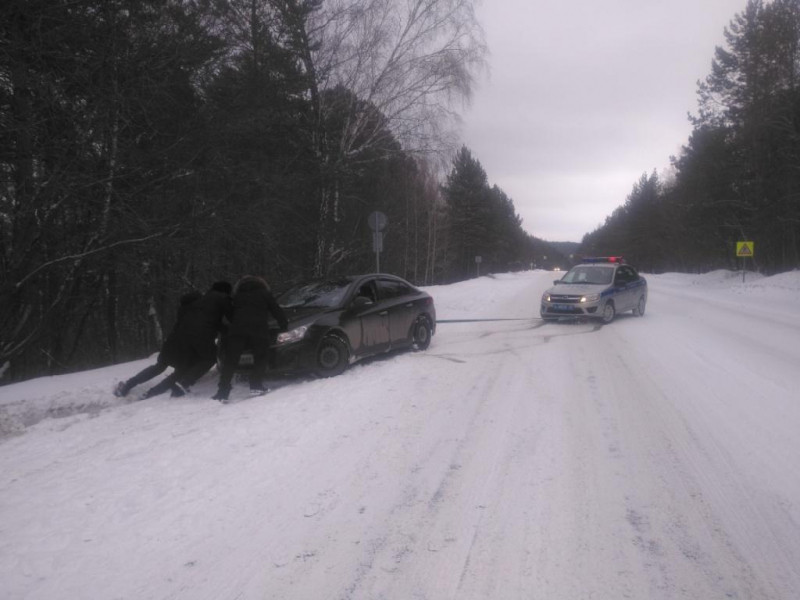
(603, 259)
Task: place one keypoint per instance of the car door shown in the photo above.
(399, 299)
(373, 317)
(636, 286)
(623, 283)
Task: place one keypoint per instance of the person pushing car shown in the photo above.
(189, 348)
(253, 303)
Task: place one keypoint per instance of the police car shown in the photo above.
(598, 288)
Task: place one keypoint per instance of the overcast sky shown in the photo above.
(583, 97)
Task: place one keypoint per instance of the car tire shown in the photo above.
(640, 306)
(609, 312)
(332, 357)
(421, 333)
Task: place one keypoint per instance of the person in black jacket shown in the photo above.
(166, 356)
(190, 347)
(253, 304)
(195, 337)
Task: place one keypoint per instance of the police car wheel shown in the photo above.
(639, 310)
(609, 312)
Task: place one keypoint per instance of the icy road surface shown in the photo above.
(652, 458)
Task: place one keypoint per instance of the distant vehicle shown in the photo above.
(335, 322)
(597, 288)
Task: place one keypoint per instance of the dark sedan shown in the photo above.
(335, 322)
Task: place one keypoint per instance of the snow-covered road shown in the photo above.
(654, 457)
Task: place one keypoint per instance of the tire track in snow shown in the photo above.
(443, 516)
(683, 541)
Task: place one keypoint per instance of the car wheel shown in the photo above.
(639, 310)
(609, 312)
(332, 357)
(421, 333)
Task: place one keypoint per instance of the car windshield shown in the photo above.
(318, 294)
(589, 274)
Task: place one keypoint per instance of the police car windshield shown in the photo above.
(595, 275)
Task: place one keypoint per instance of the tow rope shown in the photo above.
(483, 320)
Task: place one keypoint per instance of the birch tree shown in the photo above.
(406, 64)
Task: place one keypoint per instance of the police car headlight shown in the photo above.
(590, 298)
(546, 297)
(295, 335)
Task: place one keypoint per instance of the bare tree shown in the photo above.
(406, 64)
(410, 60)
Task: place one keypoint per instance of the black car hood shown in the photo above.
(303, 315)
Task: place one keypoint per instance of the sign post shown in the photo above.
(744, 250)
(478, 260)
(377, 222)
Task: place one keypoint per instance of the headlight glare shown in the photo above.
(590, 298)
(293, 335)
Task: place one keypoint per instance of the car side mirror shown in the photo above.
(556, 281)
(361, 301)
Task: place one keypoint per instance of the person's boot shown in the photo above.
(222, 395)
(151, 393)
(178, 390)
(158, 389)
(121, 390)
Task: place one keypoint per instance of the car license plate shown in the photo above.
(563, 307)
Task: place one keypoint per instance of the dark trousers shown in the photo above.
(162, 386)
(235, 345)
(147, 373)
(191, 373)
(193, 363)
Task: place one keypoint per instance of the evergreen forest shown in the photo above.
(738, 176)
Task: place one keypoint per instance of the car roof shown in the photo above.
(602, 265)
(353, 278)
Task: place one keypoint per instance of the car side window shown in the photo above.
(626, 275)
(388, 288)
(367, 290)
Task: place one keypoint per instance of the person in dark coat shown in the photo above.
(253, 304)
(194, 349)
(167, 354)
(190, 347)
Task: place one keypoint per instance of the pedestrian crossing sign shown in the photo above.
(744, 249)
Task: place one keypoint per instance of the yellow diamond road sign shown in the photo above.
(744, 248)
